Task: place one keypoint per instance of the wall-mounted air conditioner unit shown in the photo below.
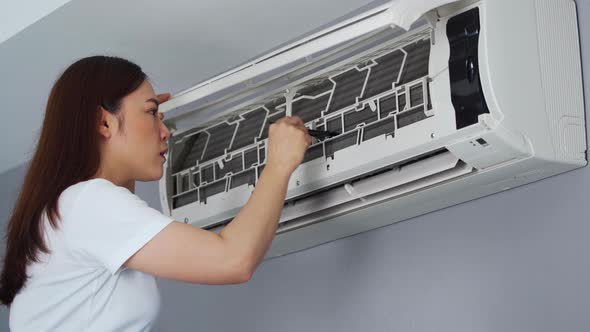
(474, 98)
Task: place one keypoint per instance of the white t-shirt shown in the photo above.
(81, 285)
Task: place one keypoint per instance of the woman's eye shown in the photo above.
(154, 111)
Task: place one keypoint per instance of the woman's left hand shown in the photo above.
(164, 97)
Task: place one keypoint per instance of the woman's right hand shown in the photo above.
(288, 141)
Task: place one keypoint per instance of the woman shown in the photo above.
(83, 250)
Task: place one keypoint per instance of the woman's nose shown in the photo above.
(164, 132)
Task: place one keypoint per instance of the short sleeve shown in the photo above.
(108, 224)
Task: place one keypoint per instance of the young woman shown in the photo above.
(82, 250)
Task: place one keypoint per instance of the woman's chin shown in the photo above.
(154, 175)
(158, 175)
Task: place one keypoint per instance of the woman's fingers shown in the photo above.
(164, 97)
(288, 141)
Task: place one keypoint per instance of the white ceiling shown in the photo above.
(177, 42)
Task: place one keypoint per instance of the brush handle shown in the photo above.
(319, 134)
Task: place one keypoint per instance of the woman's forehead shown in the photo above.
(143, 94)
(146, 90)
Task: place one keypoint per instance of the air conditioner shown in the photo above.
(435, 103)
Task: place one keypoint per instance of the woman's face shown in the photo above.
(137, 149)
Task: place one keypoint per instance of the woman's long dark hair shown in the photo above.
(67, 153)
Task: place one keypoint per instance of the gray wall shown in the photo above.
(514, 261)
(10, 183)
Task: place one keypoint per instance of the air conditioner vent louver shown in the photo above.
(406, 177)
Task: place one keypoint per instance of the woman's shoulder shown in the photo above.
(85, 205)
(91, 192)
(92, 186)
(94, 182)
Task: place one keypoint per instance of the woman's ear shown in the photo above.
(105, 123)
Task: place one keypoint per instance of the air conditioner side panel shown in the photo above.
(561, 74)
(531, 74)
